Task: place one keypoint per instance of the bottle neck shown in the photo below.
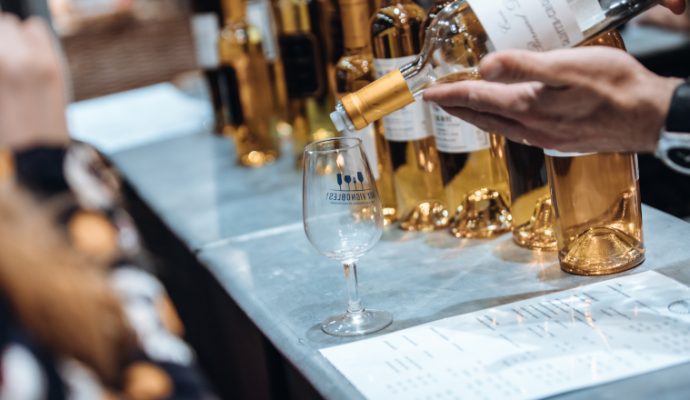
(234, 10)
(293, 16)
(355, 19)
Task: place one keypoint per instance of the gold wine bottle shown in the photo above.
(596, 198)
(260, 15)
(465, 31)
(531, 208)
(352, 72)
(473, 170)
(241, 52)
(395, 36)
(305, 73)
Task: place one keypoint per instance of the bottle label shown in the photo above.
(556, 153)
(408, 123)
(206, 29)
(259, 15)
(454, 135)
(537, 25)
(368, 137)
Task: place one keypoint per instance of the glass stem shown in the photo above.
(354, 305)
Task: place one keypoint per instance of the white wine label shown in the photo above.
(368, 137)
(206, 31)
(556, 153)
(408, 123)
(537, 25)
(454, 135)
(259, 15)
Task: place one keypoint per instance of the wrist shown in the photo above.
(673, 147)
(664, 90)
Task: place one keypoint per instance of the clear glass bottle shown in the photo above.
(241, 55)
(473, 170)
(305, 72)
(395, 39)
(596, 198)
(531, 208)
(352, 72)
(467, 30)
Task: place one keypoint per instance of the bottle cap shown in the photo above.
(378, 99)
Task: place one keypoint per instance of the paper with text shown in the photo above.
(529, 349)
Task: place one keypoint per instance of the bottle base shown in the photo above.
(257, 159)
(390, 216)
(538, 233)
(601, 251)
(426, 217)
(483, 214)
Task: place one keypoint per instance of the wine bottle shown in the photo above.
(352, 72)
(305, 73)
(395, 36)
(473, 170)
(205, 27)
(467, 30)
(241, 55)
(260, 15)
(596, 198)
(531, 208)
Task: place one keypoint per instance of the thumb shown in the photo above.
(516, 66)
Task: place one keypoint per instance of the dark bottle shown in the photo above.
(205, 26)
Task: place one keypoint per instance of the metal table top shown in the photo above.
(246, 227)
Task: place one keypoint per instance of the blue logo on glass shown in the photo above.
(352, 189)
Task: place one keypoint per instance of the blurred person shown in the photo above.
(589, 99)
(80, 316)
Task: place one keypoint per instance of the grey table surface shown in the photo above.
(246, 227)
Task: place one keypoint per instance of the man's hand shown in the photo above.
(32, 85)
(586, 99)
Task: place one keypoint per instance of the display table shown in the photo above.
(245, 228)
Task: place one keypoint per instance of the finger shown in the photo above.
(677, 6)
(39, 32)
(9, 29)
(511, 101)
(511, 129)
(557, 68)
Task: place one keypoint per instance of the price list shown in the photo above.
(529, 349)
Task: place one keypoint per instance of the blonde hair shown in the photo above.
(61, 298)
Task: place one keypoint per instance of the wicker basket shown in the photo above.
(128, 53)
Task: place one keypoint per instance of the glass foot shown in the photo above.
(357, 323)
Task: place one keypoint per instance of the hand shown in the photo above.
(587, 99)
(32, 85)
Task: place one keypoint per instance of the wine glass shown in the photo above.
(343, 223)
